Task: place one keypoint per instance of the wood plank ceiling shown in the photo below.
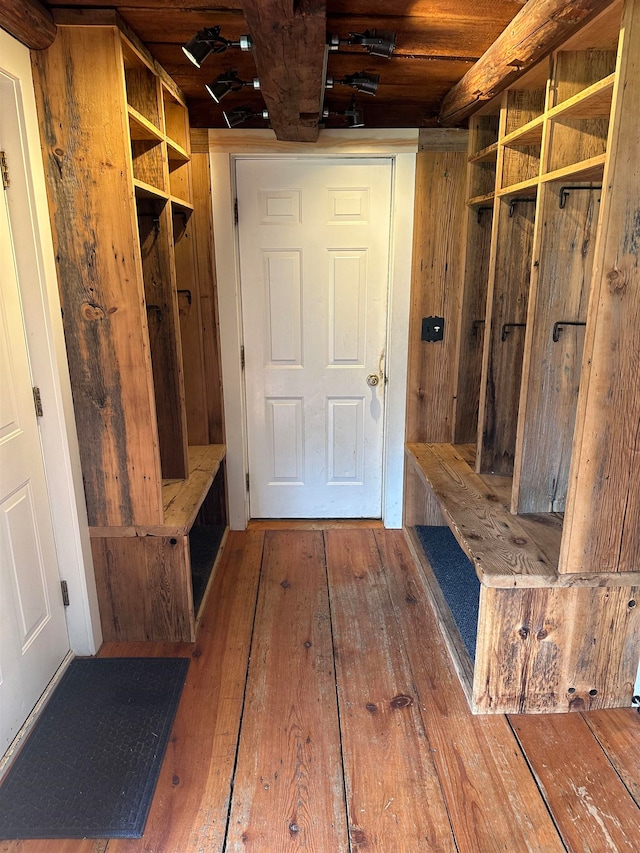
(433, 77)
(438, 41)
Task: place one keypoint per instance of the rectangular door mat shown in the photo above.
(90, 765)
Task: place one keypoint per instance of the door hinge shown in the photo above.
(65, 593)
(242, 358)
(37, 402)
(246, 479)
(4, 168)
(235, 210)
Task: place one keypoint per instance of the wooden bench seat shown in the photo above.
(181, 499)
(507, 550)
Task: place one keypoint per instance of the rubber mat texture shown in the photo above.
(456, 578)
(90, 766)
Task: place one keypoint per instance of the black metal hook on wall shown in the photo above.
(475, 325)
(481, 210)
(515, 201)
(558, 326)
(507, 326)
(564, 192)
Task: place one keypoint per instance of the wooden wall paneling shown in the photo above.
(554, 650)
(561, 276)
(144, 588)
(503, 358)
(436, 291)
(206, 274)
(190, 328)
(156, 238)
(605, 468)
(472, 325)
(78, 80)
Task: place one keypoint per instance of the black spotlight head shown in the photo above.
(219, 88)
(362, 82)
(201, 45)
(239, 116)
(378, 44)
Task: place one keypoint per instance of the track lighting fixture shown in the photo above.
(208, 41)
(235, 117)
(377, 44)
(227, 82)
(360, 81)
(354, 114)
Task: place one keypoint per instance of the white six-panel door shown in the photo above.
(314, 263)
(33, 629)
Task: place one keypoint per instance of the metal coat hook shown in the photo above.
(481, 210)
(506, 326)
(475, 325)
(515, 201)
(188, 295)
(564, 192)
(557, 327)
(155, 219)
(154, 308)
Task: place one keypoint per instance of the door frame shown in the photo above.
(29, 216)
(401, 147)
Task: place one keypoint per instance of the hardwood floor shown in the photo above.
(321, 712)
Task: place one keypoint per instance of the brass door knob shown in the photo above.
(373, 379)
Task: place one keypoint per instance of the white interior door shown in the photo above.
(33, 630)
(314, 264)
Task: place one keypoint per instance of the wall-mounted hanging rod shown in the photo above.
(564, 192)
(481, 210)
(507, 326)
(558, 326)
(515, 201)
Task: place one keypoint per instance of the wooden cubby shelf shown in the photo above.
(181, 204)
(592, 102)
(529, 134)
(487, 155)
(544, 502)
(481, 199)
(140, 128)
(586, 170)
(182, 499)
(144, 190)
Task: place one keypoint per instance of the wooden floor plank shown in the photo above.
(618, 733)
(394, 799)
(493, 801)
(85, 845)
(288, 789)
(190, 806)
(592, 809)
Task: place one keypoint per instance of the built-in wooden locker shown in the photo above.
(546, 505)
(116, 146)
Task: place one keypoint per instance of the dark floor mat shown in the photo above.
(90, 766)
(457, 579)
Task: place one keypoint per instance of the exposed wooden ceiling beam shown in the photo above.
(289, 45)
(29, 22)
(534, 33)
